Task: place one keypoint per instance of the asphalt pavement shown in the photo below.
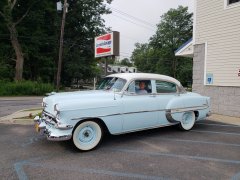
(9, 105)
(210, 151)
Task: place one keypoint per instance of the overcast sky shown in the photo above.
(136, 20)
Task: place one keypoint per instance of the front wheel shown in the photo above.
(87, 135)
(188, 121)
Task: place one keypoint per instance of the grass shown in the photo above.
(31, 116)
(34, 109)
(24, 88)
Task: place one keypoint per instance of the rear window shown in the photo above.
(165, 87)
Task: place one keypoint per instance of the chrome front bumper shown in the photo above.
(53, 132)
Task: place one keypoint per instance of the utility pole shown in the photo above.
(61, 45)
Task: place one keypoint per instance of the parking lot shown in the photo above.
(210, 151)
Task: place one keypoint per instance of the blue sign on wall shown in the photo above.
(209, 78)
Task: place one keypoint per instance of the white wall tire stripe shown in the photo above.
(188, 120)
(87, 135)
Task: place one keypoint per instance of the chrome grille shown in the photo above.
(48, 117)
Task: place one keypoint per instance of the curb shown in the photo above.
(224, 119)
(14, 118)
(19, 98)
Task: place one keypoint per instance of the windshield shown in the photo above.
(112, 83)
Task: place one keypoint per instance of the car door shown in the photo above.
(139, 109)
(165, 91)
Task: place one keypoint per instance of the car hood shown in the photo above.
(79, 99)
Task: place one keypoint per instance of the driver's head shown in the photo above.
(142, 85)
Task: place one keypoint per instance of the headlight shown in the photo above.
(44, 104)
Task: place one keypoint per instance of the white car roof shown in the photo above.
(130, 76)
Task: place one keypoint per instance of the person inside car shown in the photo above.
(142, 89)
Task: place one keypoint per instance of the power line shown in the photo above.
(132, 17)
(128, 37)
(125, 53)
(133, 22)
(126, 57)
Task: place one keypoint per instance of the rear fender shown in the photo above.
(177, 106)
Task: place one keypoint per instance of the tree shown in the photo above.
(126, 62)
(174, 29)
(11, 21)
(83, 24)
(38, 35)
(38, 38)
(145, 58)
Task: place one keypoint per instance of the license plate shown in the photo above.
(37, 127)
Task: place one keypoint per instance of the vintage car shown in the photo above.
(122, 103)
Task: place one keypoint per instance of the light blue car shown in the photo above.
(123, 103)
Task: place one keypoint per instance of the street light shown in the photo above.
(59, 7)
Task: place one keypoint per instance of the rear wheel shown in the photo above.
(188, 121)
(87, 135)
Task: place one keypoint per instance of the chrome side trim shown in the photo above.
(170, 118)
(169, 112)
(143, 111)
(117, 114)
(176, 110)
(88, 108)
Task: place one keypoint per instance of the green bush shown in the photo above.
(24, 88)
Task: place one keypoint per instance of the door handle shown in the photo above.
(153, 95)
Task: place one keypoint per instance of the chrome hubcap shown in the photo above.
(87, 134)
(187, 118)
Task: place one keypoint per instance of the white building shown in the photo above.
(121, 69)
(215, 48)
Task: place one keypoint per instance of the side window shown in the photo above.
(143, 87)
(131, 87)
(165, 87)
(140, 87)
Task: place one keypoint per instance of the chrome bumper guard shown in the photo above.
(43, 130)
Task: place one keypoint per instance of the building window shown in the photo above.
(233, 1)
(229, 4)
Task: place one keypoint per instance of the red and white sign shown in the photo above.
(107, 45)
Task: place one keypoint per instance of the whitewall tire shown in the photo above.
(87, 135)
(188, 121)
